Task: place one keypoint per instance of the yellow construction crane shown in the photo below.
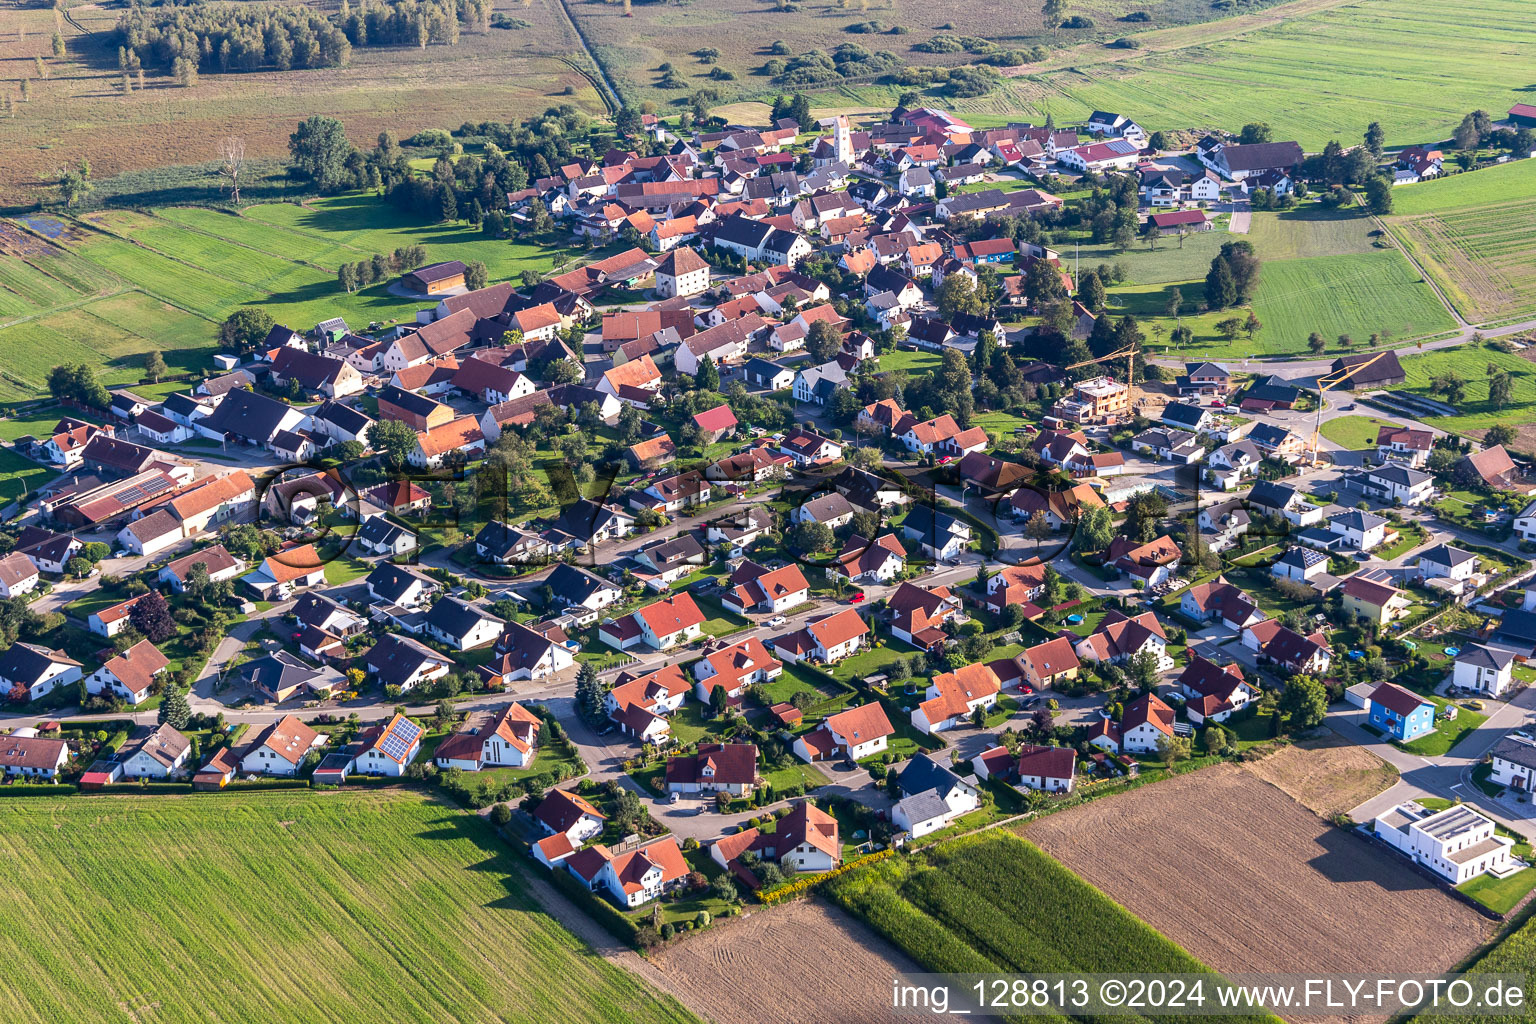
(1328, 381)
(1129, 354)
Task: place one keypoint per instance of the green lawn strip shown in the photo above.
(1447, 733)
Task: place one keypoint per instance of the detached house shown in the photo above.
(131, 674)
(756, 588)
(506, 738)
(660, 626)
(826, 639)
(640, 704)
(952, 697)
(852, 734)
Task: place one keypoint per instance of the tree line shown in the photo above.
(183, 39)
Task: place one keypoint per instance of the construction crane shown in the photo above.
(1129, 354)
(1328, 381)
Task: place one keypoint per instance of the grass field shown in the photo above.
(1355, 432)
(1320, 272)
(633, 47)
(79, 111)
(1358, 295)
(1473, 233)
(1471, 363)
(119, 283)
(286, 907)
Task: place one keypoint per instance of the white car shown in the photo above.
(777, 620)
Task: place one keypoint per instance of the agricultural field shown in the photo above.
(1321, 272)
(632, 47)
(1328, 775)
(1357, 295)
(1473, 233)
(1476, 412)
(1314, 69)
(1321, 888)
(995, 903)
(286, 906)
(843, 975)
(79, 111)
(119, 283)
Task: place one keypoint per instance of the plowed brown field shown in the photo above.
(801, 961)
(1247, 879)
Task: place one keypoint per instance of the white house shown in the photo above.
(158, 754)
(506, 738)
(855, 733)
(280, 748)
(1483, 669)
(1458, 843)
(37, 668)
(1514, 763)
(388, 749)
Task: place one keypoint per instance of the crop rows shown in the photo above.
(285, 907)
(998, 900)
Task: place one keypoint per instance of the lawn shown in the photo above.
(1355, 432)
(1500, 894)
(1446, 734)
(286, 906)
(914, 361)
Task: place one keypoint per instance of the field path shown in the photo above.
(580, 924)
(1450, 307)
(1242, 220)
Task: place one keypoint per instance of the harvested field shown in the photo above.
(843, 975)
(1201, 854)
(1328, 775)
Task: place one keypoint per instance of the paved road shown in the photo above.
(1448, 776)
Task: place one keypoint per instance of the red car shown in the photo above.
(856, 598)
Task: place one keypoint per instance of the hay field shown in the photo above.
(79, 111)
(285, 906)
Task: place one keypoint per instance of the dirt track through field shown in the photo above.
(1246, 879)
(798, 962)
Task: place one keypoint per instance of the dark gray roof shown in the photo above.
(456, 618)
(1183, 414)
(1444, 554)
(24, 663)
(392, 582)
(1516, 751)
(247, 414)
(574, 586)
(923, 774)
(1484, 657)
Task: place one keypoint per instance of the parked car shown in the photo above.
(777, 620)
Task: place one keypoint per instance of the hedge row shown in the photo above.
(801, 885)
(613, 920)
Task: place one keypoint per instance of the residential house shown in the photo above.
(640, 704)
(918, 614)
(1120, 637)
(35, 669)
(1220, 601)
(660, 626)
(1372, 601)
(507, 737)
(952, 697)
(156, 753)
(1488, 670)
(826, 639)
(932, 796)
(401, 661)
(1401, 714)
(1458, 843)
(853, 734)
(939, 535)
(1282, 646)
(462, 626)
(279, 748)
(714, 768)
(756, 588)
